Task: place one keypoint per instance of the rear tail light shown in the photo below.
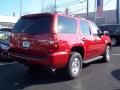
(11, 39)
(55, 26)
(51, 42)
(12, 35)
(11, 45)
(54, 44)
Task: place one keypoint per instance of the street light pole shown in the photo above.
(95, 11)
(87, 8)
(42, 5)
(55, 6)
(117, 12)
(20, 8)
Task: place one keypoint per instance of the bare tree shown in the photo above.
(50, 8)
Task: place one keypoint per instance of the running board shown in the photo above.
(93, 59)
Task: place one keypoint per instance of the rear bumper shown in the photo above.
(53, 60)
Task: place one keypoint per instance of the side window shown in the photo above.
(66, 25)
(85, 27)
(95, 30)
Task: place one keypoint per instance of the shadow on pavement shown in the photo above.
(21, 79)
(116, 74)
(45, 76)
(94, 62)
(6, 60)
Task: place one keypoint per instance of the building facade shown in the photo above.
(109, 17)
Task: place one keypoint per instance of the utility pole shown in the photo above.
(20, 8)
(87, 9)
(117, 12)
(67, 10)
(13, 14)
(95, 11)
(42, 5)
(55, 6)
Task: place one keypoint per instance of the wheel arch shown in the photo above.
(78, 49)
(109, 44)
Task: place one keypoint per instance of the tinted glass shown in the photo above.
(34, 25)
(85, 27)
(66, 25)
(5, 29)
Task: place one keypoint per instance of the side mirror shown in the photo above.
(105, 32)
(97, 33)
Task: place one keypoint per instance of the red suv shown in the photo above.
(57, 41)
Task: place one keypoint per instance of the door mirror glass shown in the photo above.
(105, 32)
(98, 33)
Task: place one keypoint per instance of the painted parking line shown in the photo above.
(2, 64)
(115, 54)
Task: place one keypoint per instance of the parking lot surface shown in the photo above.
(94, 76)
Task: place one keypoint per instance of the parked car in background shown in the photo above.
(58, 41)
(113, 32)
(4, 43)
(4, 47)
(5, 33)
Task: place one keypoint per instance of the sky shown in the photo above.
(7, 7)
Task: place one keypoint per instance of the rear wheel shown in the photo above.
(75, 65)
(107, 56)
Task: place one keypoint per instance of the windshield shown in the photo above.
(34, 25)
(5, 30)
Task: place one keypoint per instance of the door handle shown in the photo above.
(95, 39)
(84, 39)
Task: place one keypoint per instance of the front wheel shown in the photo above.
(107, 56)
(114, 42)
(75, 65)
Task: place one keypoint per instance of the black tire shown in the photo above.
(114, 42)
(0, 55)
(107, 55)
(74, 65)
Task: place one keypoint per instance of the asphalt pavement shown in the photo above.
(94, 76)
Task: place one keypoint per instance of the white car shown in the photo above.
(4, 47)
(5, 33)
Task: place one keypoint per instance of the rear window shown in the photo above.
(33, 25)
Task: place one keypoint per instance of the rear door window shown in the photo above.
(66, 25)
(33, 25)
(85, 27)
